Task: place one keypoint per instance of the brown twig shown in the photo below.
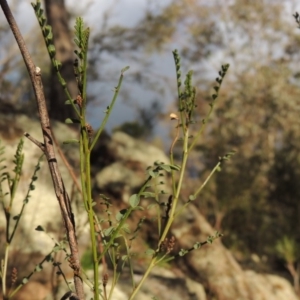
(66, 163)
(60, 191)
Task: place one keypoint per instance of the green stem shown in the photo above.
(115, 233)
(200, 131)
(178, 189)
(146, 274)
(89, 204)
(109, 110)
(207, 179)
(4, 269)
(84, 80)
(199, 189)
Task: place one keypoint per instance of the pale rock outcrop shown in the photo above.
(210, 272)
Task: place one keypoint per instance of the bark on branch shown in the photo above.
(48, 149)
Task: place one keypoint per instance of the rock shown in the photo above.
(127, 170)
(127, 148)
(215, 267)
(42, 208)
(210, 272)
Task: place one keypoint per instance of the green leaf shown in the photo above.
(121, 214)
(134, 200)
(150, 252)
(139, 208)
(71, 121)
(57, 66)
(151, 205)
(192, 197)
(126, 228)
(183, 252)
(197, 245)
(167, 168)
(125, 69)
(108, 231)
(152, 173)
(38, 268)
(51, 50)
(148, 195)
(175, 167)
(68, 102)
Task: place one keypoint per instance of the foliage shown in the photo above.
(109, 233)
(8, 189)
(255, 199)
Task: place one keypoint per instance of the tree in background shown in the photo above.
(58, 18)
(255, 200)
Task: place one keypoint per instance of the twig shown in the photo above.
(39, 144)
(60, 191)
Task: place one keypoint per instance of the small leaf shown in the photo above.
(152, 173)
(134, 200)
(38, 268)
(57, 65)
(148, 195)
(25, 280)
(192, 197)
(125, 257)
(71, 121)
(108, 231)
(175, 167)
(124, 69)
(16, 217)
(183, 252)
(139, 208)
(51, 50)
(126, 228)
(67, 102)
(150, 252)
(166, 168)
(49, 258)
(151, 205)
(120, 214)
(39, 228)
(197, 245)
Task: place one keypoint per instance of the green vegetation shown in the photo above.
(107, 232)
(253, 201)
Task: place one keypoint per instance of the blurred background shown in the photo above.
(255, 199)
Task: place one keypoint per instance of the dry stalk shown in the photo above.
(48, 148)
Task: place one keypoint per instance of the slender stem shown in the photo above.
(207, 179)
(4, 269)
(199, 189)
(178, 189)
(200, 131)
(146, 274)
(172, 158)
(85, 167)
(58, 184)
(108, 112)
